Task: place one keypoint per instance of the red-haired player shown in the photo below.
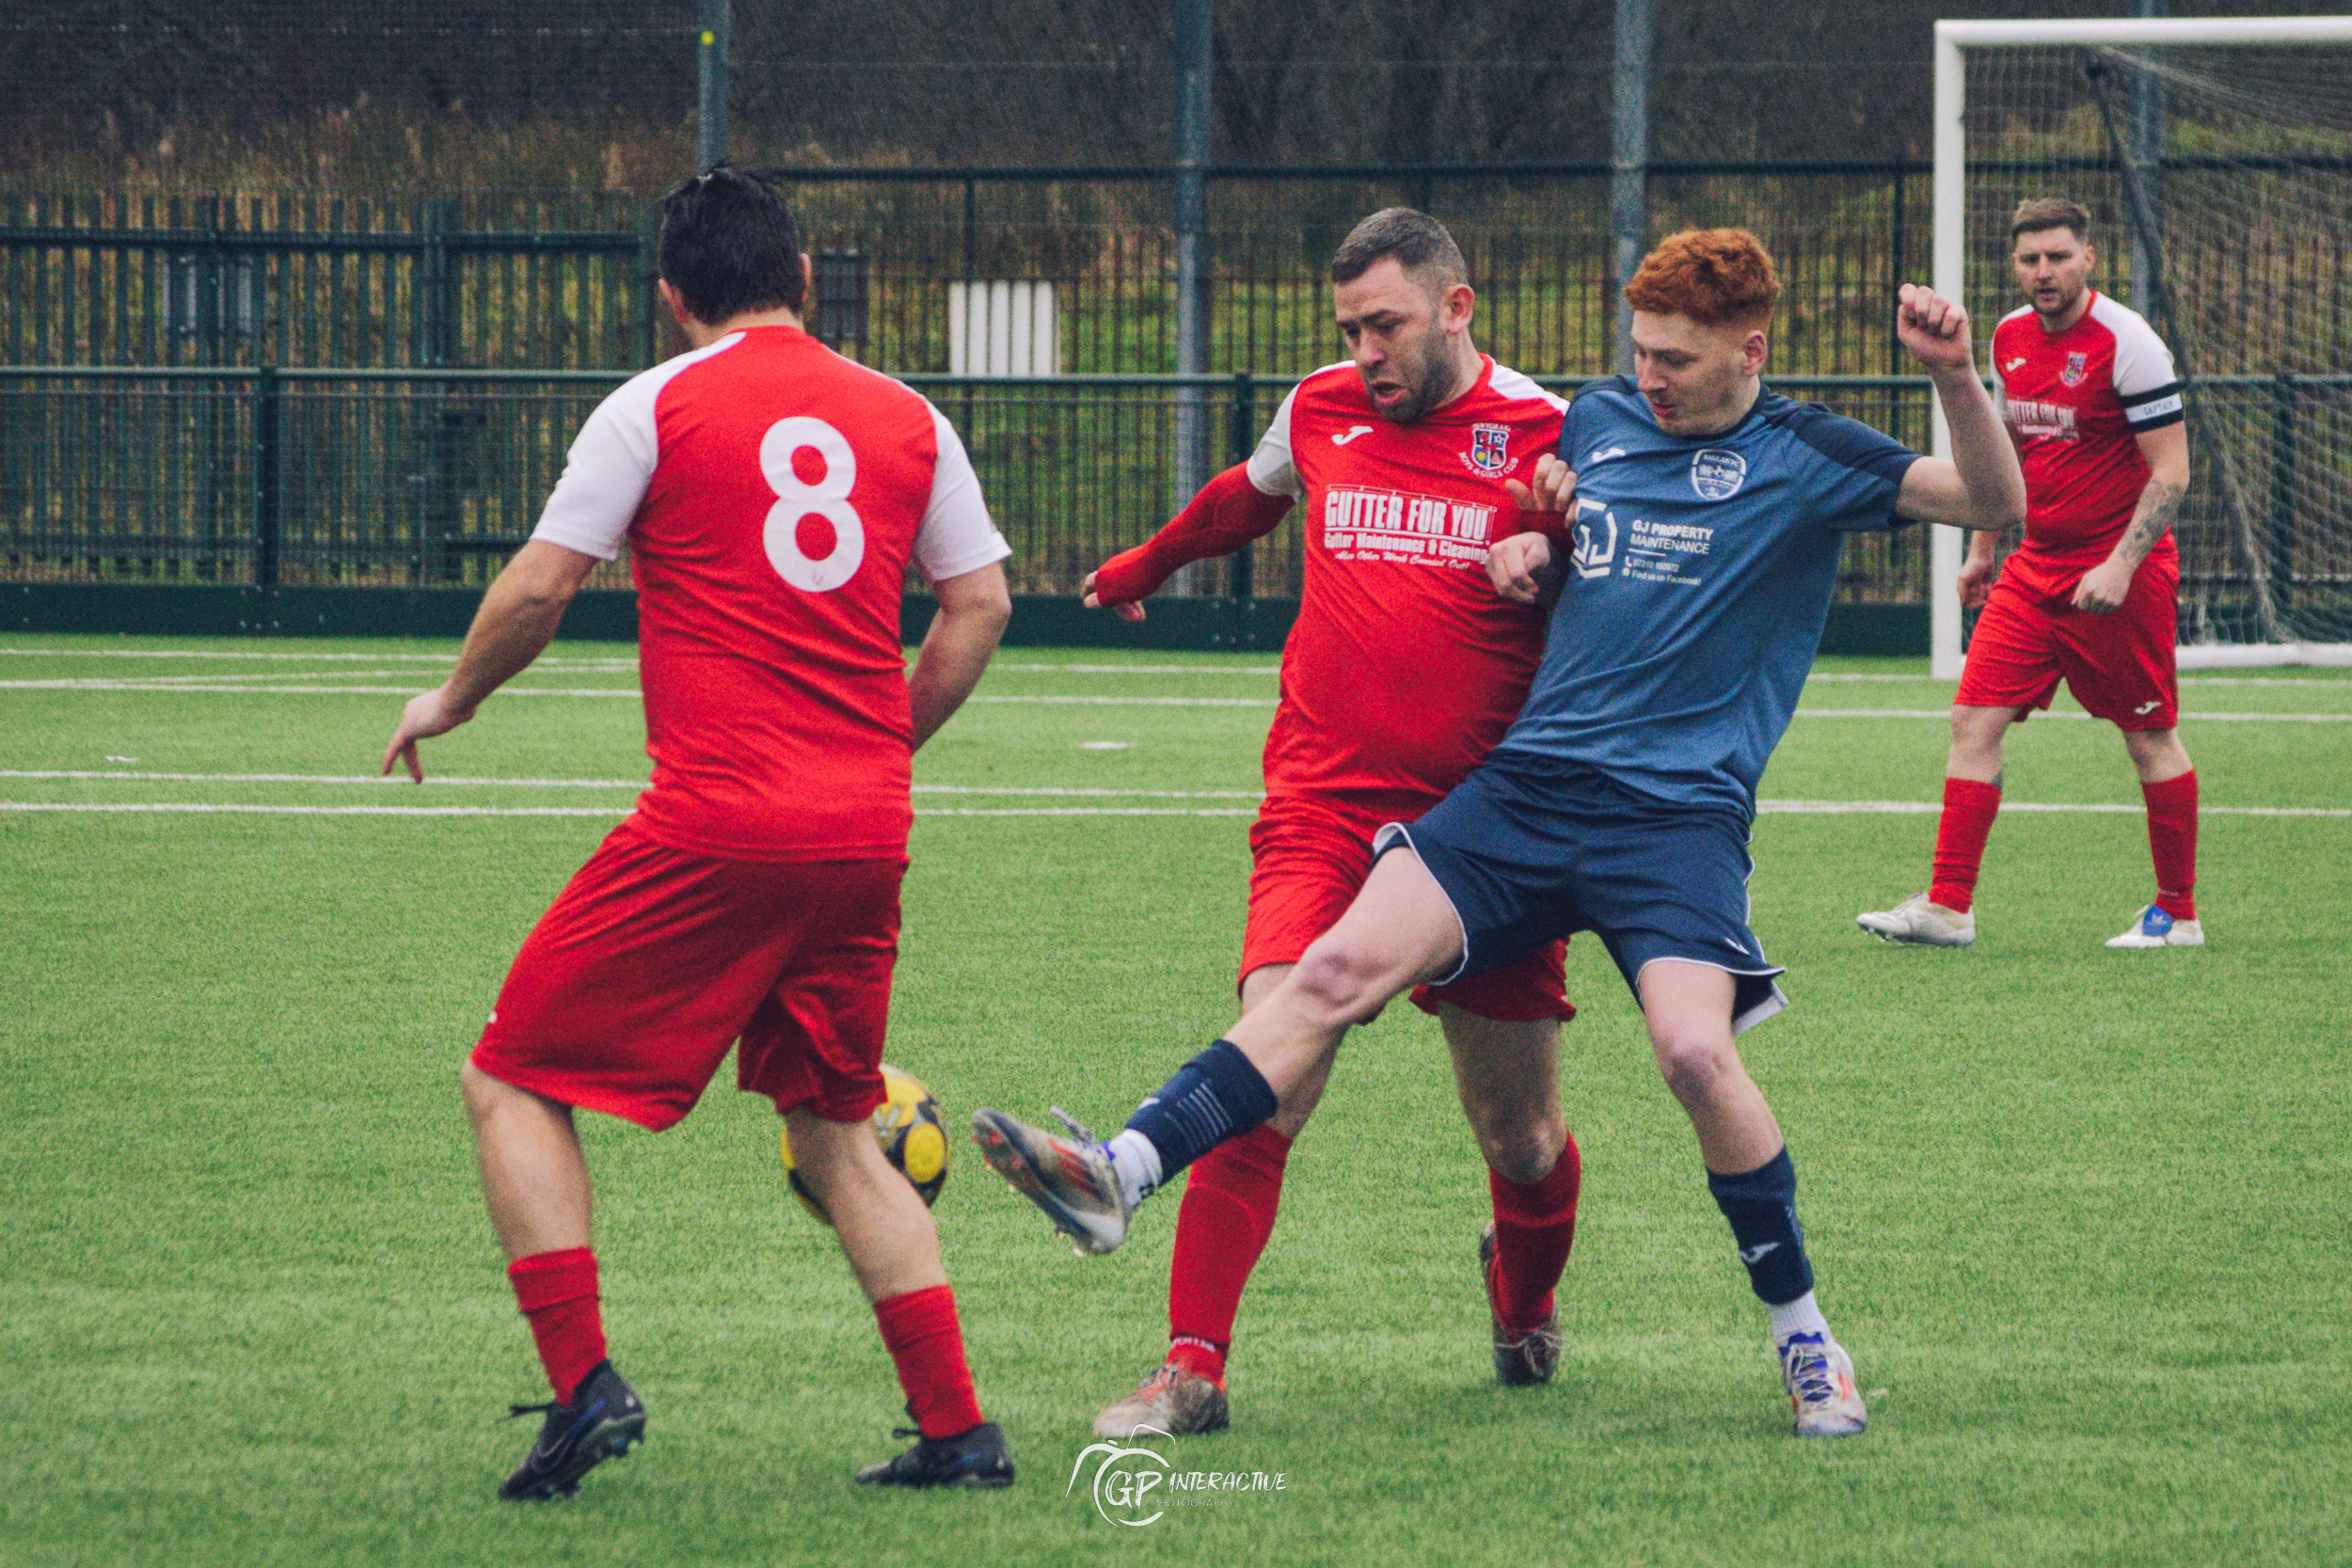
(1402, 671)
(2093, 596)
(772, 494)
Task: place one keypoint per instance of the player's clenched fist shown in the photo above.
(1128, 611)
(1514, 566)
(1933, 328)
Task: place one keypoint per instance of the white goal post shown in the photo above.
(1955, 43)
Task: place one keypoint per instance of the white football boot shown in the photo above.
(2153, 927)
(1915, 920)
(1818, 1375)
(1071, 1178)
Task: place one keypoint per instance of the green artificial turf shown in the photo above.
(2079, 1214)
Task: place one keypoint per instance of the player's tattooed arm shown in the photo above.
(2105, 587)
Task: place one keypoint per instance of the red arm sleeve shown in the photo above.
(1229, 513)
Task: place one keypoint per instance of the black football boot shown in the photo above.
(604, 1420)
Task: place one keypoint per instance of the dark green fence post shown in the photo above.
(266, 498)
(1242, 439)
(648, 293)
(434, 301)
(2283, 396)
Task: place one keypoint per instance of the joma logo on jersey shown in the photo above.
(2078, 368)
(1490, 450)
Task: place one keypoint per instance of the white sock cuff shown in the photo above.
(1801, 1315)
(1136, 1160)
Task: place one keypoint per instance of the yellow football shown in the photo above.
(913, 1138)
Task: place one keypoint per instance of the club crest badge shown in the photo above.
(1490, 450)
(2078, 368)
(1717, 473)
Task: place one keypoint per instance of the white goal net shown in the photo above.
(2217, 163)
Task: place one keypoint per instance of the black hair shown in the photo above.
(1419, 242)
(730, 244)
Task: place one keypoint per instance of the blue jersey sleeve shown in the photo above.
(1855, 473)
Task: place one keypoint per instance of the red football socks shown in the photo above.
(1221, 1228)
(927, 1342)
(557, 1292)
(1535, 1227)
(1969, 808)
(2172, 843)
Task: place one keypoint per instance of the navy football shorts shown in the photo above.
(1526, 860)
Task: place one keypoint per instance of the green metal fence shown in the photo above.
(413, 477)
(565, 280)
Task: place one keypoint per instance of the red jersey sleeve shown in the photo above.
(1229, 513)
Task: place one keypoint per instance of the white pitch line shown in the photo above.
(1938, 713)
(463, 781)
(214, 806)
(1139, 669)
(1905, 808)
(224, 808)
(1930, 808)
(221, 653)
(1131, 702)
(2187, 714)
(95, 685)
(316, 779)
(154, 682)
(1802, 808)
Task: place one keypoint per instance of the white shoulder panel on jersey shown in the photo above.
(611, 461)
(2018, 314)
(1270, 468)
(2145, 380)
(1510, 384)
(957, 535)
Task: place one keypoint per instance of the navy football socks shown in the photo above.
(1219, 1094)
(1762, 1208)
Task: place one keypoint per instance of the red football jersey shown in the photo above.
(771, 493)
(2075, 401)
(1405, 666)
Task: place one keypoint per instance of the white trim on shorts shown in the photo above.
(1740, 1023)
(1381, 843)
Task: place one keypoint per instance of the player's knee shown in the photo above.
(1340, 981)
(1522, 1153)
(482, 1091)
(1976, 734)
(1694, 1064)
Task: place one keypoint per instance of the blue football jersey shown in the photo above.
(1696, 589)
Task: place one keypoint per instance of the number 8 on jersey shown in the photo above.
(798, 500)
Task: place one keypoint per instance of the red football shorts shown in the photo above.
(1308, 857)
(652, 963)
(2120, 665)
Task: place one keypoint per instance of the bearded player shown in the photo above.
(771, 495)
(2091, 597)
(1402, 671)
(1709, 515)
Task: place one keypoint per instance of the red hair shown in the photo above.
(1716, 277)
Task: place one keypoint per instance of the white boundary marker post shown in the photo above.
(1951, 260)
